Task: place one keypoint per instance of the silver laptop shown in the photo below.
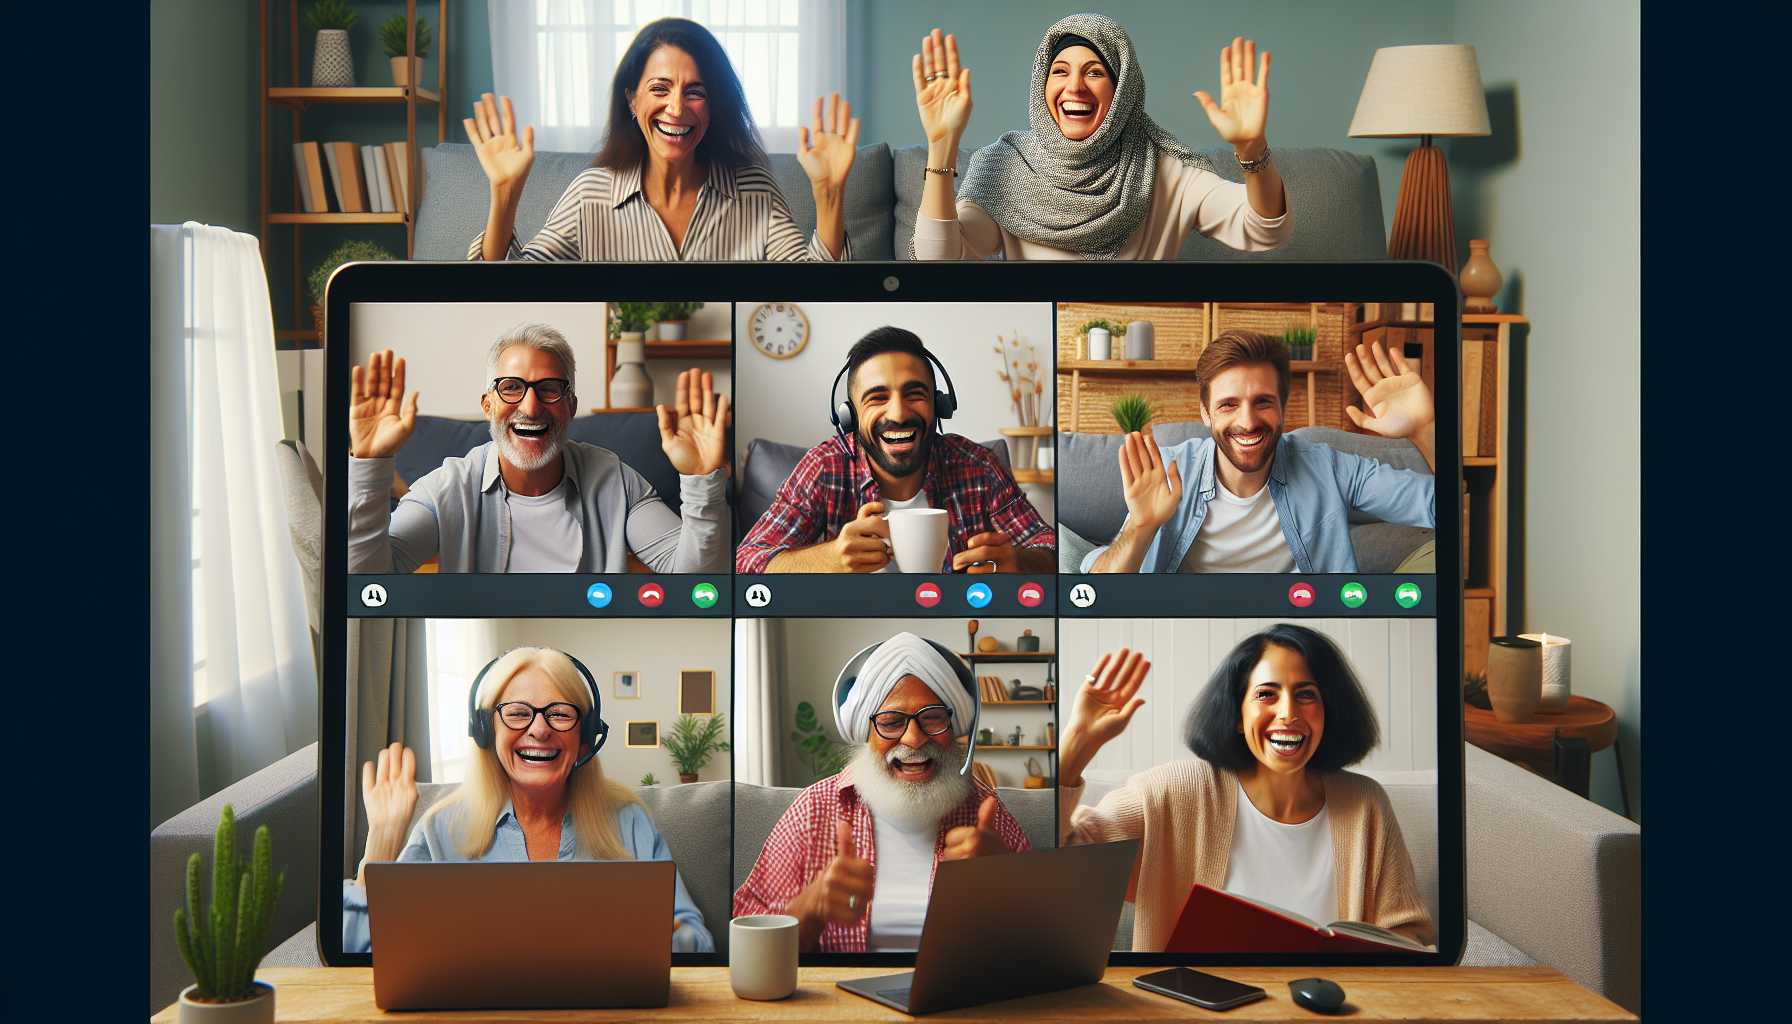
(1012, 925)
(513, 936)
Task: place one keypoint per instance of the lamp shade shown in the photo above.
(1421, 90)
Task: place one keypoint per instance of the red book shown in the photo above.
(1215, 921)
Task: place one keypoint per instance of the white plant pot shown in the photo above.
(257, 1010)
(331, 62)
(1099, 343)
(630, 387)
(672, 330)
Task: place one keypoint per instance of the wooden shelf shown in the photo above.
(997, 703)
(335, 218)
(690, 349)
(1310, 366)
(1485, 593)
(1135, 367)
(1494, 318)
(1481, 460)
(298, 96)
(1027, 431)
(1017, 657)
(1034, 476)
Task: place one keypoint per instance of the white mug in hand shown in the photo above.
(762, 956)
(918, 538)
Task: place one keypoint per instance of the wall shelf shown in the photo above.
(298, 96)
(1014, 657)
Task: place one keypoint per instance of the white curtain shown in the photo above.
(233, 686)
(555, 59)
(759, 719)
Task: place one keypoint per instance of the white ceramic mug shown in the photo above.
(918, 538)
(762, 956)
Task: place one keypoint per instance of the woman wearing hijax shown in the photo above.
(534, 791)
(1265, 808)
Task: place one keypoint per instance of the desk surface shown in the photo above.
(702, 994)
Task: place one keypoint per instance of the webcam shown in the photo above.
(892, 283)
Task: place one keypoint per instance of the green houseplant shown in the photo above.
(672, 317)
(347, 252)
(1132, 412)
(649, 780)
(223, 944)
(1101, 337)
(693, 741)
(819, 751)
(1300, 342)
(631, 318)
(407, 70)
(332, 64)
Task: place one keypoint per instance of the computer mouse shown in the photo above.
(1317, 994)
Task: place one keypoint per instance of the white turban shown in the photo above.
(904, 654)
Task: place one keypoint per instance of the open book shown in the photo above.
(1216, 921)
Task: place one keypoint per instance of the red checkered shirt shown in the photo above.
(802, 844)
(823, 493)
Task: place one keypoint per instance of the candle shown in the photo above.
(1556, 688)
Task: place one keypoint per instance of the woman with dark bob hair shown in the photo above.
(681, 174)
(1265, 808)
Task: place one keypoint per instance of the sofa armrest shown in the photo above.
(284, 797)
(1555, 875)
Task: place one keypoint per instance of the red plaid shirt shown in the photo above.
(802, 844)
(823, 493)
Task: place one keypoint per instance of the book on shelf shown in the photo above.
(398, 171)
(1216, 921)
(308, 170)
(345, 176)
(376, 201)
(1471, 397)
(1490, 397)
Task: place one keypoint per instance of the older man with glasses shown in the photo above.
(530, 500)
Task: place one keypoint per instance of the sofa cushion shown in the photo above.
(769, 463)
(869, 198)
(1072, 549)
(634, 436)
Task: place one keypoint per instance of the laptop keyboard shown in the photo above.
(898, 993)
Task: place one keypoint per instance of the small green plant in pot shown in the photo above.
(406, 69)
(347, 252)
(695, 739)
(223, 944)
(1101, 338)
(672, 318)
(332, 63)
(1132, 412)
(820, 752)
(1300, 342)
(649, 780)
(634, 318)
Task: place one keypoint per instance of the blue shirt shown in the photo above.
(1314, 486)
(432, 840)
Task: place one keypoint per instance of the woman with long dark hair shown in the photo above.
(680, 175)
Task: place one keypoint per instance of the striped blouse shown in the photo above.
(604, 216)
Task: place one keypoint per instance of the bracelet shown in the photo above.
(953, 171)
(1251, 166)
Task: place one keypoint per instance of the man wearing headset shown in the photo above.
(853, 857)
(891, 454)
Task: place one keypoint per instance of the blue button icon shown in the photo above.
(978, 595)
(599, 595)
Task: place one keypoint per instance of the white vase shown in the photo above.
(630, 387)
(1099, 343)
(331, 62)
(256, 1010)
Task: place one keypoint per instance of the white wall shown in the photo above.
(815, 649)
(787, 399)
(1394, 658)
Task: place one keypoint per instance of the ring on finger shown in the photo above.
(852, 901)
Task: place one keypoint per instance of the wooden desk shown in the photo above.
(345, 994)
(1532, 743)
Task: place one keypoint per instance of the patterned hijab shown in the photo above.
(1088, 196)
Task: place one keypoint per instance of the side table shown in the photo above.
(1583, 729)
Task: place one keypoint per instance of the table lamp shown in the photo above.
(1424, 91)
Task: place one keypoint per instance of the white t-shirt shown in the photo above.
(544, 534)
(904, 875)
(892, 505)
(1239, 535)
(1288, 866)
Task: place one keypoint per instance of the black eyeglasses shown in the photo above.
(549, 389)
(520, 715)
(934, 718)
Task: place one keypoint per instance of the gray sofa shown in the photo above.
(635, 436)
(1091, 506)
(1334, 195)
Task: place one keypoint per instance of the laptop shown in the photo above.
(984, 940)
(542, 935)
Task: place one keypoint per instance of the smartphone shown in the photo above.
(1204, 990)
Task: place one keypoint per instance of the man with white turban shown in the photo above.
(853, 857)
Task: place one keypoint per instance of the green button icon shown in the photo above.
(1406, 595)
(1353, 594)
(704, 595)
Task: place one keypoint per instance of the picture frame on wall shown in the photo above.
(626, 685)
(697, 691)
(642, 735)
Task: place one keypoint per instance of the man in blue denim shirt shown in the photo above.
(1263, 501)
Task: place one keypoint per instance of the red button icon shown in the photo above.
(651, 595)
(927, 595)
(1302, 594)
(1032, 595)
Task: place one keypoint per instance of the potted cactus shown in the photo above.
(332, 64)
(407, 70)
(693, 741)
(224, 943)
(672, 318)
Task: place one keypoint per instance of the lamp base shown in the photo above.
(1423, 227)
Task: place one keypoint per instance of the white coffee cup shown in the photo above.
(918, 538)
(762, 956)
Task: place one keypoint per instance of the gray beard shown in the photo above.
(911, 806)
(556, 438)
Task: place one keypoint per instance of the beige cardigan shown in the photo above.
(1184, 811)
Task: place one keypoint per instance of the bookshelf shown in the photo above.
(283, 209)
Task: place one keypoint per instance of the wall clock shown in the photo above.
(778, 329)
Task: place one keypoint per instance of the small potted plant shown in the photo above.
(1101, 338)
(223, 944)
(693, 741)
(406, 70)
(672, 318)
(1300, 342)
(347, 252)
(331, 62)
(1132, 412)
(649, 780)
(822, 754)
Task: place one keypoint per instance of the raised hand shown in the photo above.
(1243, 107)
(1104, 705)
(980, 840)
(380, 418)
(694, 433)
(389, 792)
(864, 543)
(1398, 401)
(826, 148)
(504, 154)
(942, 89)
(1152, 492)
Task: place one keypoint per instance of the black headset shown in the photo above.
(846, 415)
(966, 678)
(593, 730)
